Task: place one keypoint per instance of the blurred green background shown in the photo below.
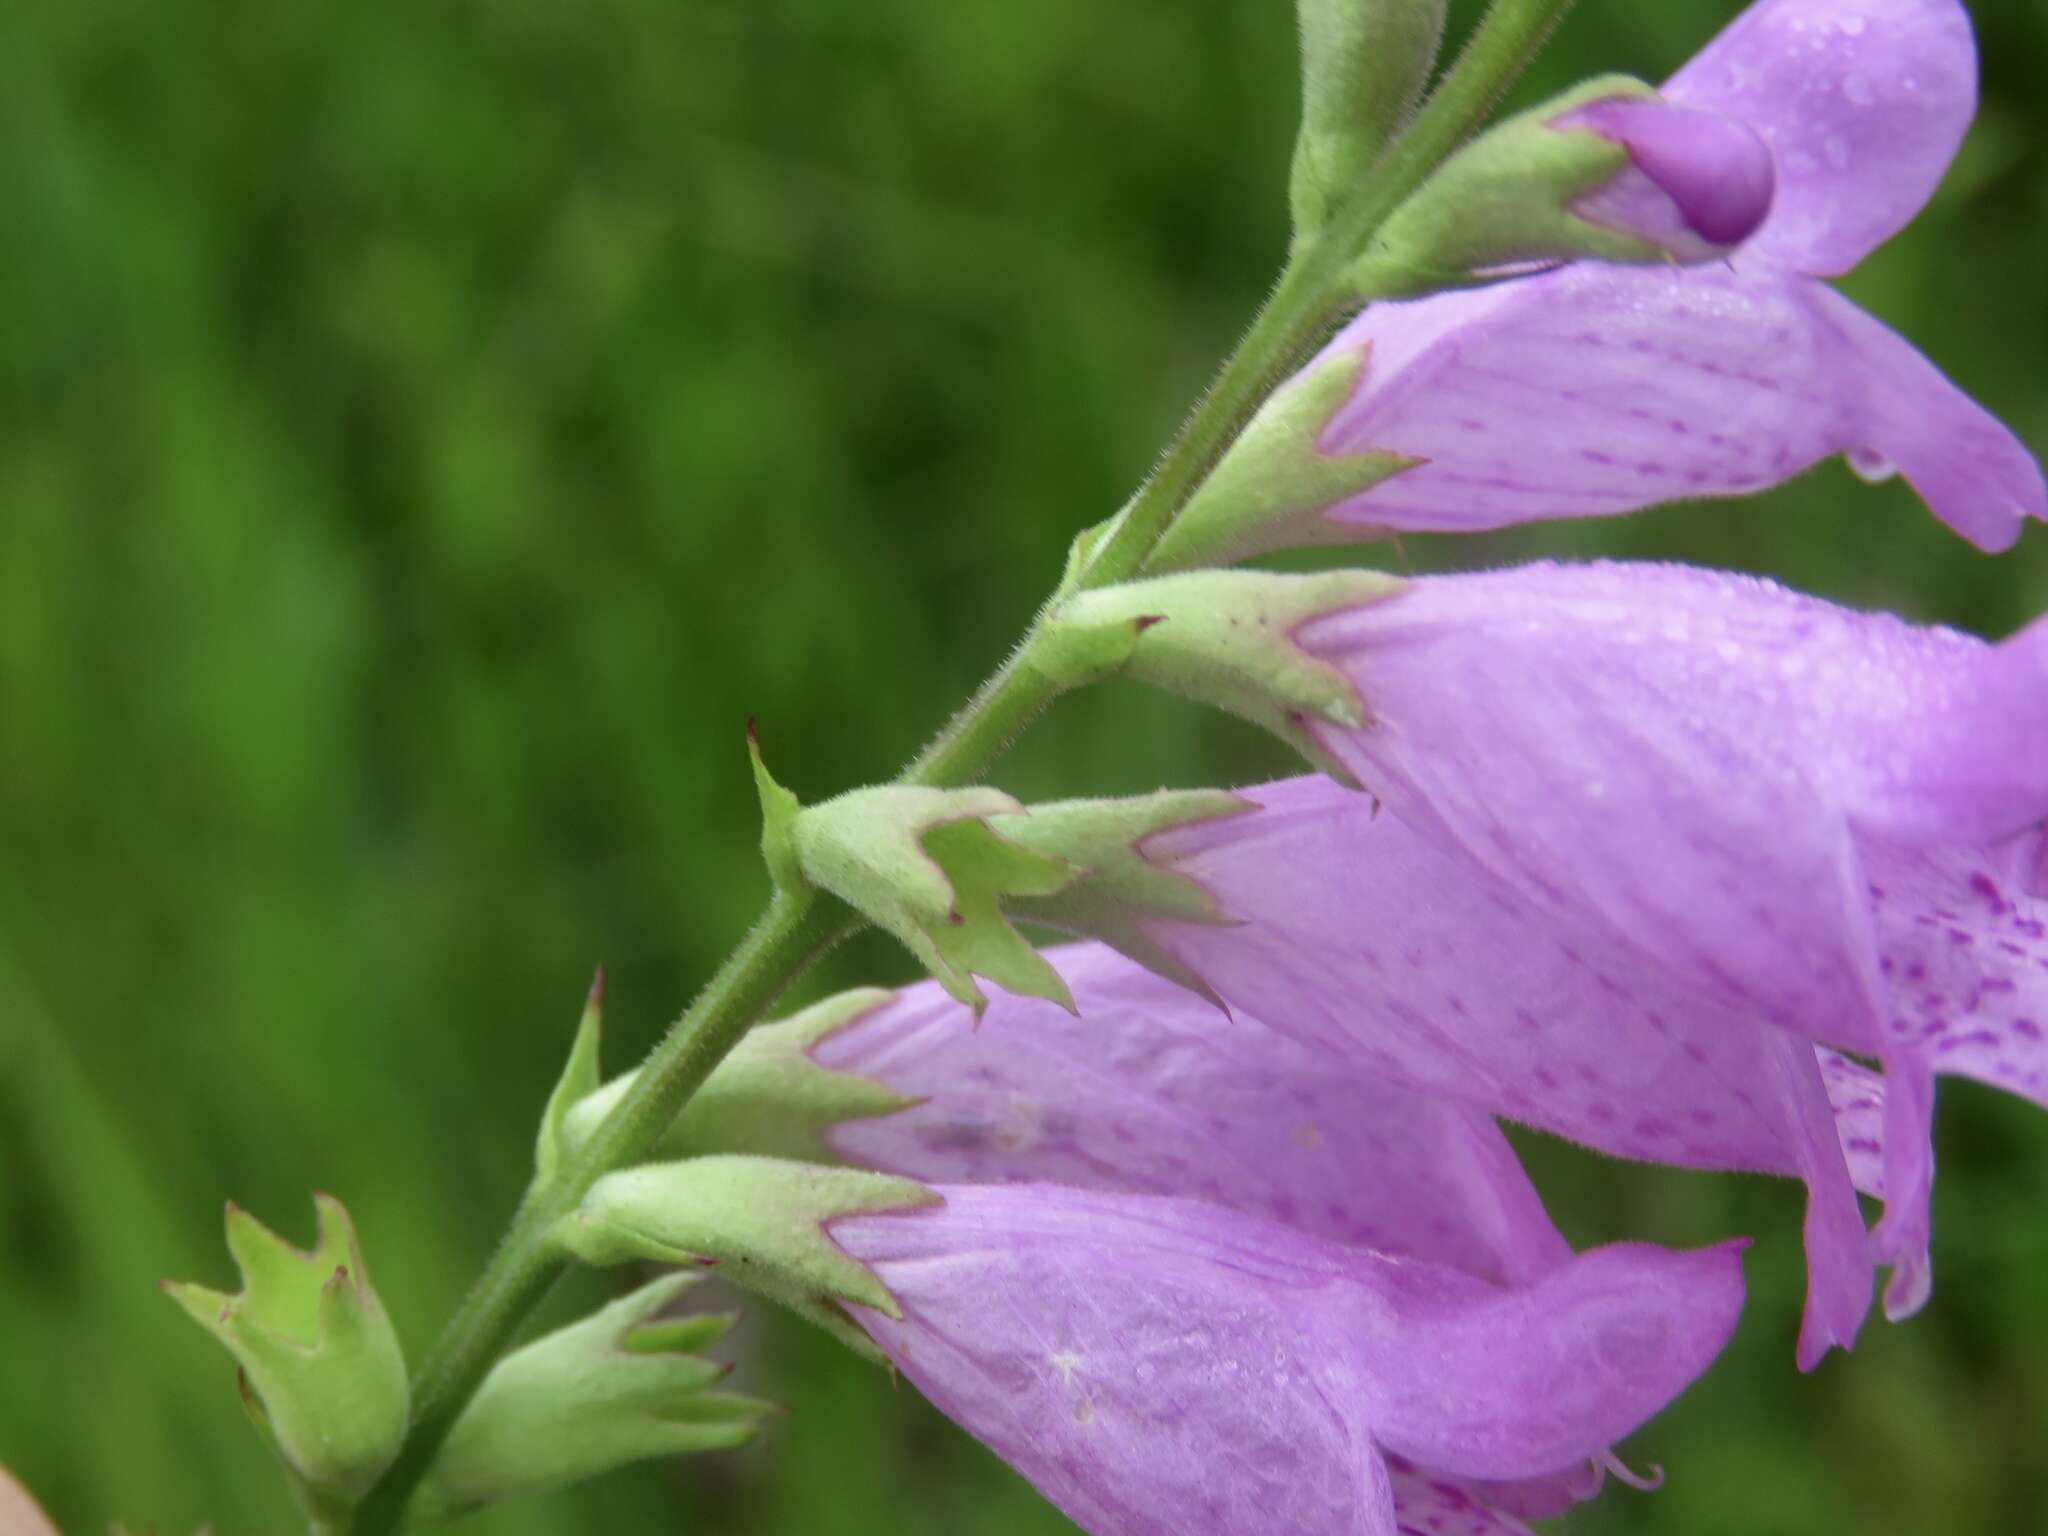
(427, 432)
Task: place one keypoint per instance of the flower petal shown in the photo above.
(1150, 1089)
(1964, 949)
(1375, 946)
(1676, 755)
(1169, 1366)
(1863, 103)
(1597, 390)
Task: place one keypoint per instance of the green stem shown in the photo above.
(800, 926)
(794, 931)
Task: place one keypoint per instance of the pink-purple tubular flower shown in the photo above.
(1161, 1366)
(1151, 1092)
(1596, 390)
(1683, 825)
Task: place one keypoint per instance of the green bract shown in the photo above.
(761, 1220)
(580, 1079)
(1123, 887)
(769, 1096)
(1273, 488)
(1224, 638)
(924, 864)
(321, 1370)
(617, 1387)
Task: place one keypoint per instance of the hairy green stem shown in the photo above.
(798, 927)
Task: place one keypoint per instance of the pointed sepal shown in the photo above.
(1123, 886)
(1274, 487)
(1608, 171)
(925, 864)
(1363, 66)
(1222, 638)
(580, 1079)
(769, 1097)
(619, 1386)
(761, 1220)
(322, 1373)
(779, 811)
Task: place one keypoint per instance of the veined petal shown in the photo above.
(1150, 1089)
(1598, 390)
(1681, 756)
(1169, 1366)
(1374, 945)
(1863, 103)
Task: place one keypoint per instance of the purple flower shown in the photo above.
(1597, 389)
(1152, 1092)
(1652, 831)
(1159, 1366)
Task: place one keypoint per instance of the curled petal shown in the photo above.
(1599, 390)
(1862, 102)
(1700, 183)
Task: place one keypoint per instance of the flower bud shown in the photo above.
(321, 1369)
(1698, 184)
(619, 1386)
(1609, 172)
(760, 1219)
(1363, 66)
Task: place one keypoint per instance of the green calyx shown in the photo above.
(1504, 201)
(1222, 638)
(322, 1373)
(621, 1385)
(1363, 66)
(926, 865)
(1124, 885)
(1274, 489)
(761, 1220)
(769, 1097)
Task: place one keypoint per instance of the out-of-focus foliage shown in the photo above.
(427, 432)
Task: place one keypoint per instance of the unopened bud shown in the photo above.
(1608, 172)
